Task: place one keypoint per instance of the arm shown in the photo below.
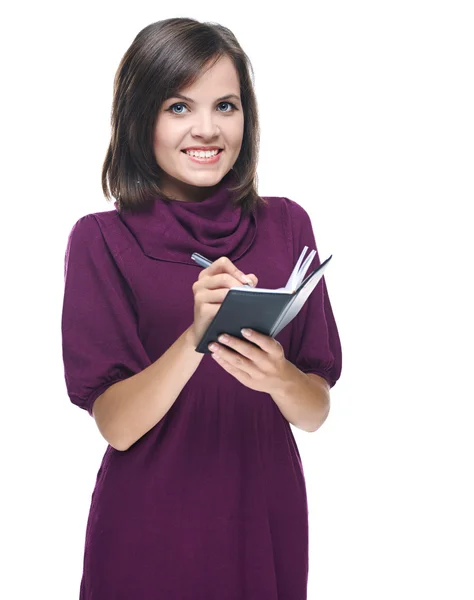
(130, 408)
(304, 399)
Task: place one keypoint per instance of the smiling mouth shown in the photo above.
(218, 152)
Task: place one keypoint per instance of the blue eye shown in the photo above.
(230, 104)
(170, 109)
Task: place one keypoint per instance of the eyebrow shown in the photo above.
(192, 101)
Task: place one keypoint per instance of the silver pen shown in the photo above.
(202, 261)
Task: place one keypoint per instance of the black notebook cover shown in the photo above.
(266, 312)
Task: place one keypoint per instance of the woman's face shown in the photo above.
(203, 120)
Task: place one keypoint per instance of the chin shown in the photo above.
(206, 179)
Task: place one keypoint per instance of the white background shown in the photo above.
(367, 115)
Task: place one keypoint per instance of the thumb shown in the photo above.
(254, 279)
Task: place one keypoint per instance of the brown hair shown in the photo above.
(163, 58)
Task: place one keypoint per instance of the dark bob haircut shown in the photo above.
(165, 57)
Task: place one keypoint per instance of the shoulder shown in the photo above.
(93, 223)
(89, 237)
(289, 209)
(92, 229)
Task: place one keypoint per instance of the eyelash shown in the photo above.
(170, 109)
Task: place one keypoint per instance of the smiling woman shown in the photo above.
(192, 176)
(202, 475)
(213, 79)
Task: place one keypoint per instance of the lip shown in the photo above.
(204, 161)
(202, 148)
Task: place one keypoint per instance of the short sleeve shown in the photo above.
(315, 346)
(100, 342)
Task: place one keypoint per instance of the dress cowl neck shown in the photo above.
(213, 227)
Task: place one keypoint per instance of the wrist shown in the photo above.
(290, 378)
(190, 337)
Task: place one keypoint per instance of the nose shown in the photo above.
(205, 125)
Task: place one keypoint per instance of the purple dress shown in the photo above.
(211, 502)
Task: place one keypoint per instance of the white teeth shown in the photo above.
(201, 153)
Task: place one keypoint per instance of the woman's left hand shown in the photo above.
(261, 367)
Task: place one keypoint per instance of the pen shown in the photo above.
(202, 261)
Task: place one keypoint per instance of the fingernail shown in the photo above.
(246, 279)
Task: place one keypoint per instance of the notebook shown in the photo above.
(265, 310)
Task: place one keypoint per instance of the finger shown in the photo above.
(214, 282)
(237, 365)
(240, 374)
(254, 279)
(229, 345)
(224, 265)
(265, 342)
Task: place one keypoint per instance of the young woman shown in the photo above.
(201, 492)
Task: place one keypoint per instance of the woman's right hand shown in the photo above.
(210, 290)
